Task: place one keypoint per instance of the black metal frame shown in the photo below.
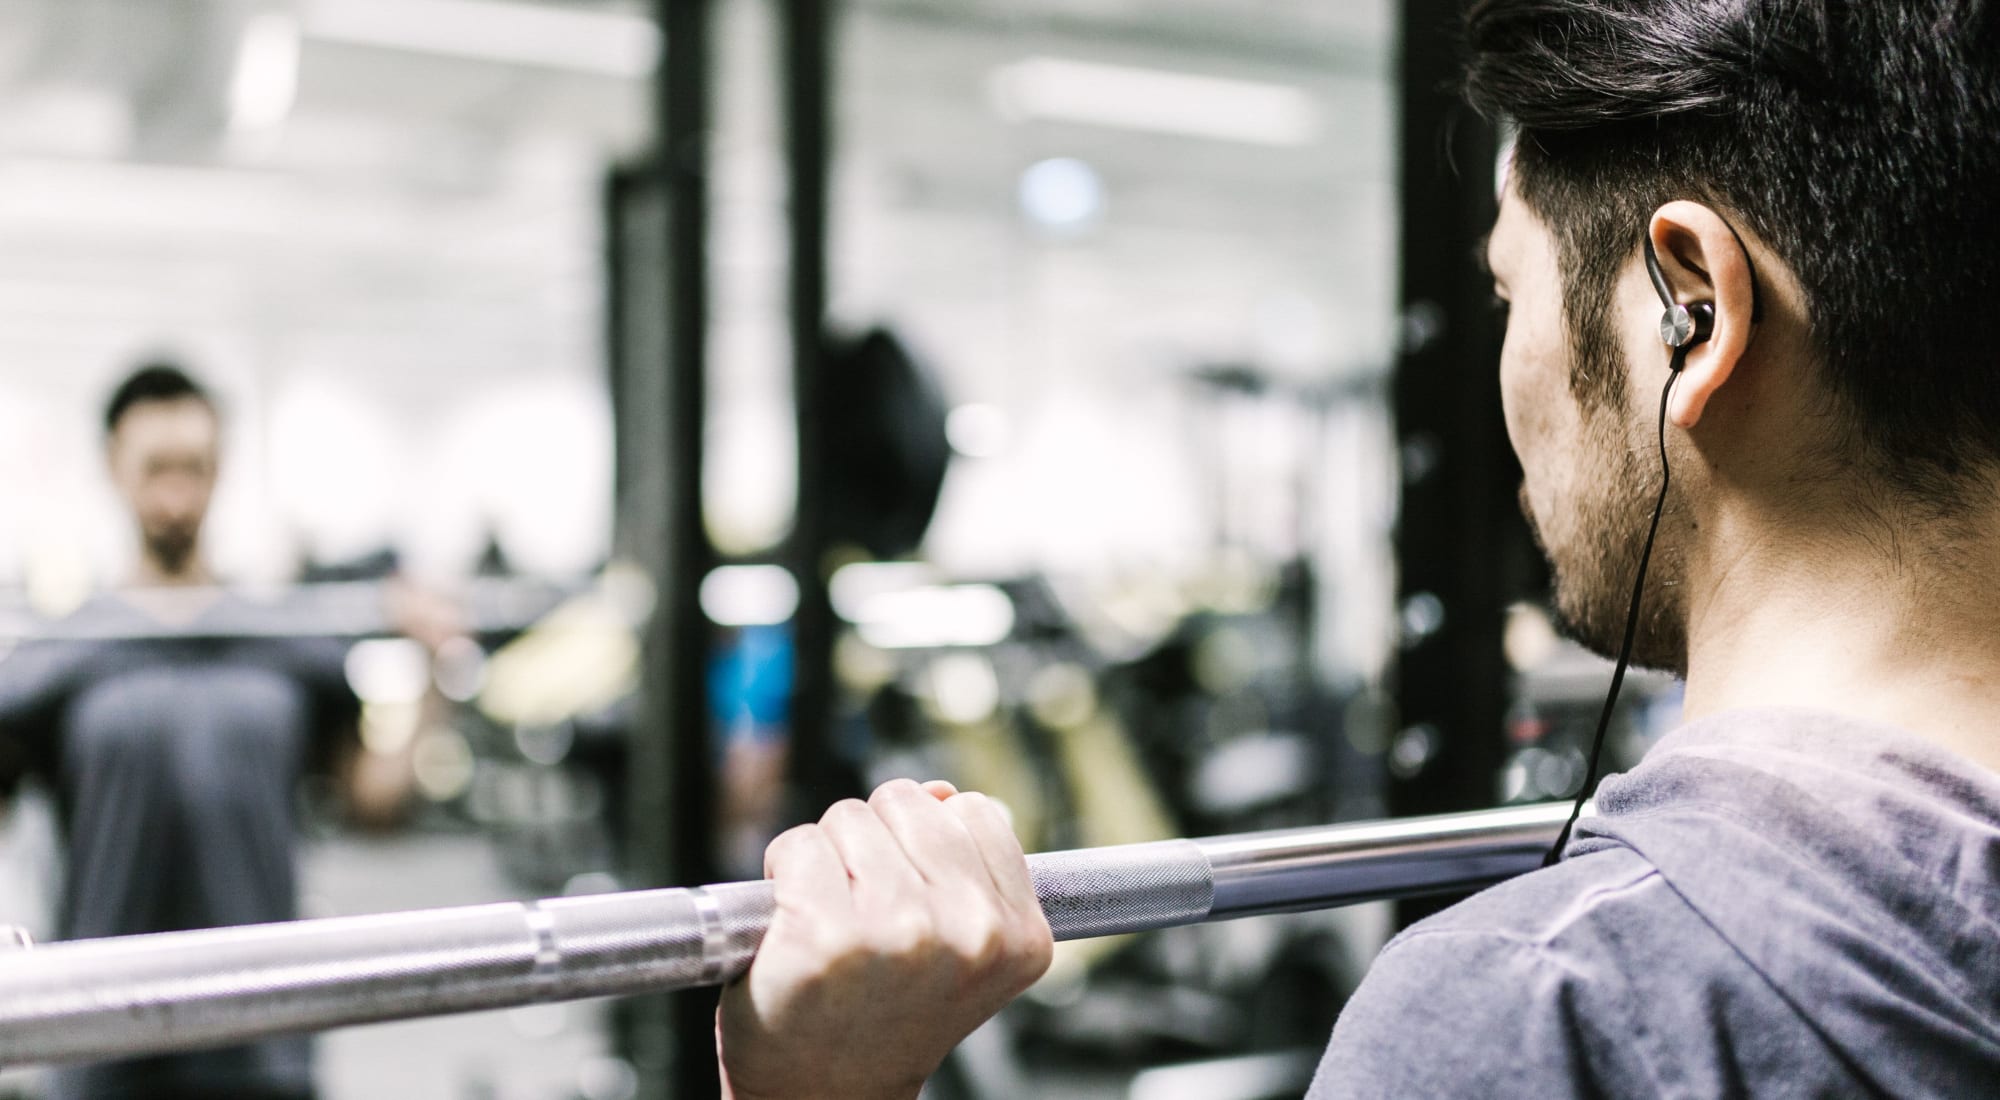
(659, 387)
(1461, 540)
(657, 257)
(817, 775)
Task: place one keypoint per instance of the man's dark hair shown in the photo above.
(1860, 140)
(154, 380)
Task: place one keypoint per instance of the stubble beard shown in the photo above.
(1618, 482)
(172, 550)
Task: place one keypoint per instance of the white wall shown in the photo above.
(396, 295)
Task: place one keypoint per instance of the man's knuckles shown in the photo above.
(845, 814)
(994, 951)
(900, 790)
(1033, 947)
(785, 847)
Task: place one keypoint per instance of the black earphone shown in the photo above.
(1682, 328)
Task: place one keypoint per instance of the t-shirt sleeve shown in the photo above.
(1457, 1013)
(320, 665)
(35, 681)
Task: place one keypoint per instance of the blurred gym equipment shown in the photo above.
(104, 998)
(885, 423)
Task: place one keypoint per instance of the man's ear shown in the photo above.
(1704, 261)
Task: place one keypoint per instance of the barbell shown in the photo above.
(326, 609)
(93, 999)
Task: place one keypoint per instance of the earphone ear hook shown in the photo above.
(1654, 273)
(1684, 326)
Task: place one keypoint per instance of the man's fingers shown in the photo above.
(940, 789)
(934, 839)
(999, 849)
(875, 859)
(868, 1002)
(905, 861)
(983, 907)
(808, 874)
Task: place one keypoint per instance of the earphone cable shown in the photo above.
(1631, 623)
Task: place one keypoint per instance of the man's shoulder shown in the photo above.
(1555, 908)
(1529, 988)
(1569, 933)
(1594, 977)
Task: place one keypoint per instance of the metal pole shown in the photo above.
(672, 777)
(1458, 475)
(1462, 549)
(816, 773)
(111, 998)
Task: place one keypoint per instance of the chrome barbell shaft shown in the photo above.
(321, 609)
(94, 999)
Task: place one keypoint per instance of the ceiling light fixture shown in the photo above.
(505, 31)
(265, 84)
(1057, 89)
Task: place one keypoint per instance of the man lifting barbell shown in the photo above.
(1797, 893)
(174, 753)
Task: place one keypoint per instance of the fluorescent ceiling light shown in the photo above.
(266, 81)
(1062, 195)
(852, 587)
(1155, 100)
(749, 595)
(937, 617)
(505, 31)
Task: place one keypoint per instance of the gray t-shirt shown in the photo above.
(174, 765)
(1776, 903)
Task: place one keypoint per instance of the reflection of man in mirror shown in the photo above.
(160, 438)
(172, 743)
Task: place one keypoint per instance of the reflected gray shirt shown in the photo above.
(174, 764)
(1774, 903)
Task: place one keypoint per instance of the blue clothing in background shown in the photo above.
(750, 683)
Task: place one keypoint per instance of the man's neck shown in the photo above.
(1874, 619)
